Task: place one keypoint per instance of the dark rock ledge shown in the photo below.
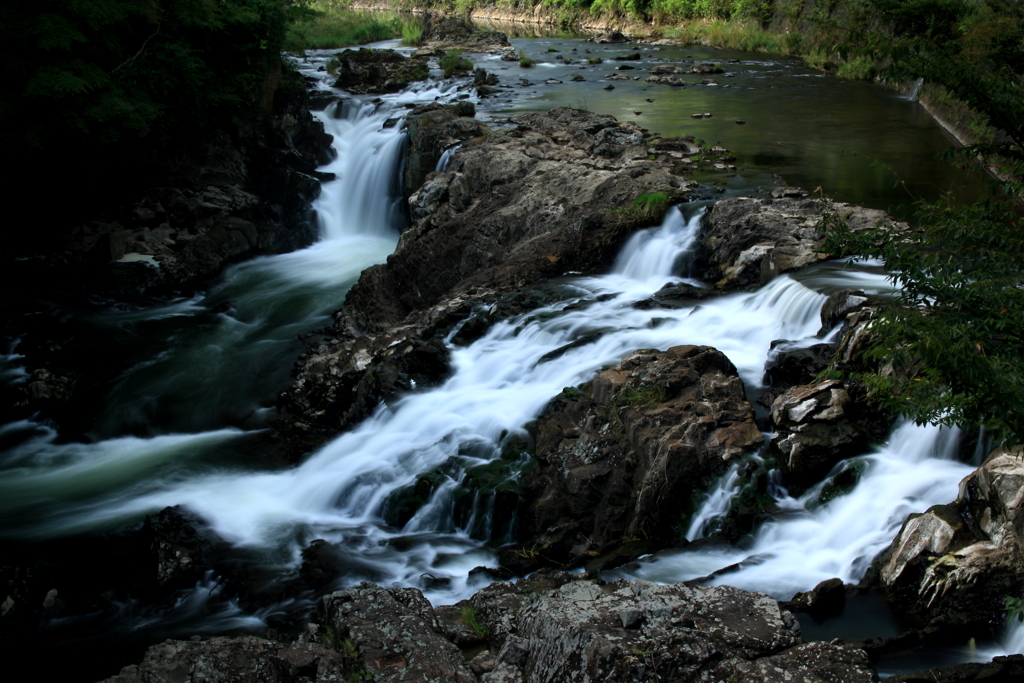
(552, 627)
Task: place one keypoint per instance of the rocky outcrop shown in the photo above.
(550, 628)
(442, 32)
(617, 461)
(584, 631)
(396, 634)
(748, 241)
(368, 70)
(529, 202)
(251, 659)
(515, 206)
(242, 193)
(953, 566)
(433, 129)
(816, 426)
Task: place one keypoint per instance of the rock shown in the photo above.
(706, 68)
(395, 633)
(577, 78)
(609, 87)
(788, 366)
(816, 426)
(747, 242)
(838, 306)
(618, 460)
(179, 551)
(442, 33)
(510, 56)
(367, 70)
(952, 566)
(247, 658)
(827, 599)
(611, 37)
(674, 81)
(583, 631)
(432, 129)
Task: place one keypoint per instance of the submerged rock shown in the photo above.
(617, 461)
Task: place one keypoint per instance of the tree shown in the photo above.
(954, 344)
(110, 89)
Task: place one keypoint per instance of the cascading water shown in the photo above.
(342, 493)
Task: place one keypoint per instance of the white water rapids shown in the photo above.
(499, 384)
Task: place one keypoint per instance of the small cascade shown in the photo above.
(442, 163)
(810, 542)
(914, 89)
(716, 504)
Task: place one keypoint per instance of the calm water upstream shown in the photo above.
(175, 427)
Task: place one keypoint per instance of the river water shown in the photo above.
(179, 426)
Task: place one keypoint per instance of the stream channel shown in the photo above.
(178, 427)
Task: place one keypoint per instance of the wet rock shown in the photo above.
(674, 81)
(706, 68)
(617, 460)
(517, 206)
(824, 600)
(816, 426)
(180, 552)
(248, 658)
(788, 365)
(749, 241)
(510, 56)
(952, 566)
(575, 631)
(432, 129)
(395, 633)
(610, 37)
(838, 306)
(368, 70)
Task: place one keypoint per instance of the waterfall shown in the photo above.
(913, 90)
(807, 543)
(499, 383)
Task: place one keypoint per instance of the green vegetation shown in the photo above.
(526, 62)
(953, 351)
(594, 60)
(646, 210)
(469, 618)
(331, 26)
(452, 62)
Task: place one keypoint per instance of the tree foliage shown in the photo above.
(98, 86)
(953, 350)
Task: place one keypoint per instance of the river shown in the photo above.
(181, 425)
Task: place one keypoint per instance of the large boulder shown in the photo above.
(368, 70)
(250, 659)
(816, 426)
(432, 129)
(617, 461)
(396, 634)
(954, 565)
(749, 241)
(585, 631)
